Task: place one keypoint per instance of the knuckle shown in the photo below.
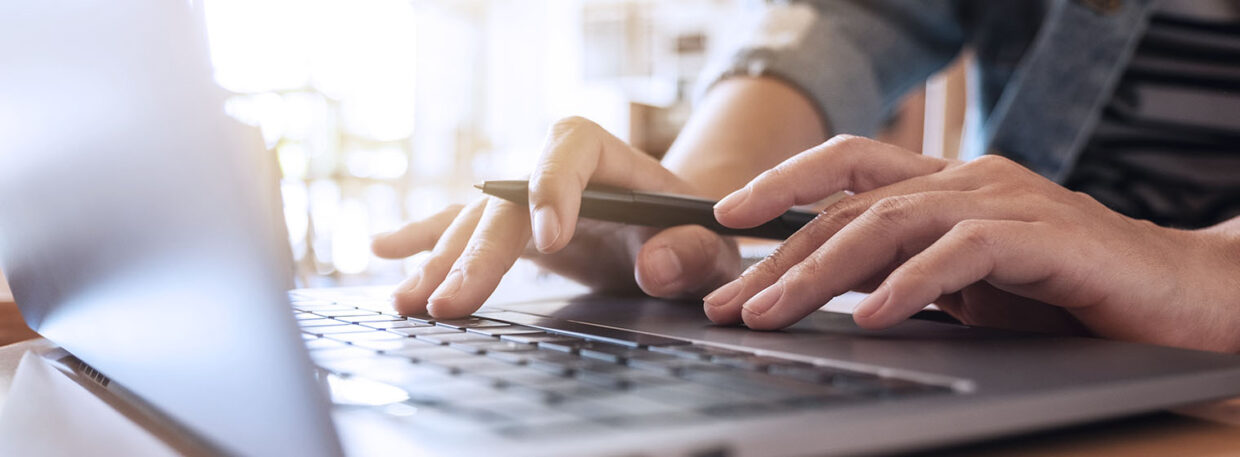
(992, 162)
(808, 272)
(571, 125)
(975, 233)
(891, 210)
(913, 271)
(771, 267)
(548, 182)
(846, 140)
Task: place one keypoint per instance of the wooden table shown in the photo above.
(1183, 433)
(12, 328)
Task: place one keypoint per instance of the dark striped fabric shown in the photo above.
(1167, 147)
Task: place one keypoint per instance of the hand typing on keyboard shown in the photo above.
(471, 247)
(989, 241)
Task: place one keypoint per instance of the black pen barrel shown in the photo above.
(653, 210)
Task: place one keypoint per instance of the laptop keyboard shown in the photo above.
(523, 376)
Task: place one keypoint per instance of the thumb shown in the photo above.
(686, 261)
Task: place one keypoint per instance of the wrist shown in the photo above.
(1216, 284)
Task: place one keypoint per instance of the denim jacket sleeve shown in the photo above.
(853, 58)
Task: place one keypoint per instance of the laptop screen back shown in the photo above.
(138, 225)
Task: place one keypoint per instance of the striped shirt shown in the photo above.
(1167, 146)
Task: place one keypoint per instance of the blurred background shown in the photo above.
(383, 111)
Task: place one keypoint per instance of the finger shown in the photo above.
(843, 163)
(684, 261)
(415, 236)
(974, 250)
(410, 296)
(724, 305)
(578, 152)
(893, 229)
(495, 245)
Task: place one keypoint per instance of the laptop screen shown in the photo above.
(137, 225)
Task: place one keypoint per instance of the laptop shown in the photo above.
(140, 230)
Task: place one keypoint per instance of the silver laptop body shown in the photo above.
(139, 230)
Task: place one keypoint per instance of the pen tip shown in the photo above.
(480, 186)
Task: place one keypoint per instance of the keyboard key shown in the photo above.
(343, 353)
(328, 308)
(526, 412)
(555, 362)
(427, 354)
(610, 352)
(666, 364)
(747, 362)
(538, 338)
(419, 331)
(455, 423)
(336, 329)
(385, 325)
(480, 347)
(318, 322)
(350, 312)
(619, 405)
(662, 419)
(688, 396)
(471, 322)
(313, 304)
(323, 343)
(473, 365)
(566, 390)
(543, 430)
(593, 332)
(370, 318)
(403, 372)
(740, 409)
(365, 336)
(515, 354)
(573, 346)
(387, 345)
(507, 330)
(445, 392)
(420, 318)
(448, 338)
(698, 351)
(611, 376)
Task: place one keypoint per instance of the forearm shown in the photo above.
(743, 127)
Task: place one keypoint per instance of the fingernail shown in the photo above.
(546, 228)
(766, 299)
(872, 303)
(725, 294)
(733, 200)
(449, 287)
(665, 266)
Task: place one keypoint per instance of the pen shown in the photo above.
(614, 204)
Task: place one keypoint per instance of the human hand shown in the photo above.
(989, 241)
(473, 246)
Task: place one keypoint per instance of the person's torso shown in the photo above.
(1167, 144)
